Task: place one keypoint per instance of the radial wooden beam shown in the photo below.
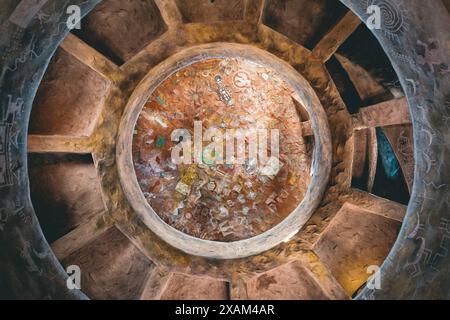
(138, 240)
(280, 45)
(365, 156)
(156, 284)
(79, 237)
(360, 155)
(91, 57)
(372, 157)
(365, 84)
(254, 10)
(59, 144)
(238, 287)
(388, 113)
(331, 42)
(323, 276)
(170, 13)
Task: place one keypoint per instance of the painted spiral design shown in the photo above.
(392, 17)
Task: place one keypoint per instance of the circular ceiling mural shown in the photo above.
(219, 152)
(213, 141)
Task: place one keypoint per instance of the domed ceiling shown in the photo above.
(224, 150)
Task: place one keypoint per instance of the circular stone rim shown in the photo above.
(321, 162)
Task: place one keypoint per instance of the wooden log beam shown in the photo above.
(90, 57)
(58, 144)
(331, 42)
(388, 113)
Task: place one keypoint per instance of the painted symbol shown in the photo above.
(223, 93)
(160, 142)
(160, 101)
(8, 138)
(241, 80)
(25, 11)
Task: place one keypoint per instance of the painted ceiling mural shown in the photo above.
(217, 199)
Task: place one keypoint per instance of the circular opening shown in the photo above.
(219, 150)
(212, 154)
